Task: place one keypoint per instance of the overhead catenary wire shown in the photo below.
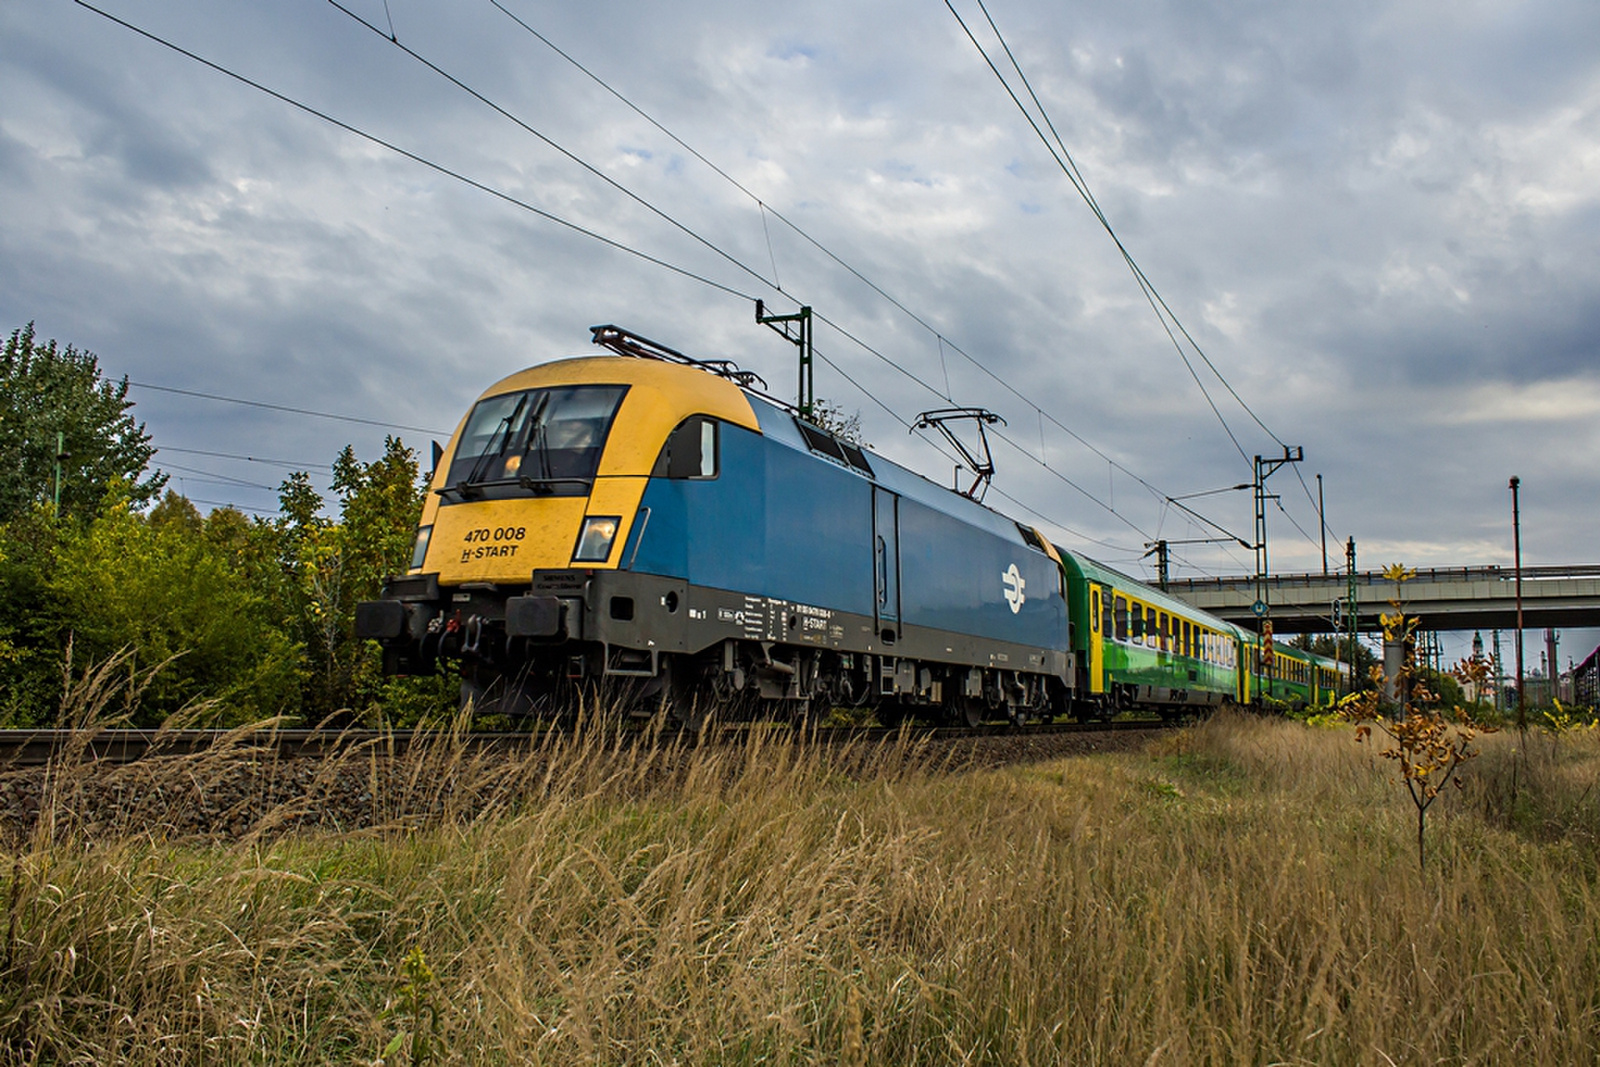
(580, 161)
(440, 169)
(1078, 181)
(585, 231)
(1312, 541)
(471, 182)
(764, 208)
(219, 479)
(940, 339)
(284, 407)
(936, 446)
(248, 459)
(1151, 296)
(1074, 176)
(424, 161)
(230, 504)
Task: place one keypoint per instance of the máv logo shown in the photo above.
(1015, 584)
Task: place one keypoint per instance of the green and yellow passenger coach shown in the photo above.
(1141, 647)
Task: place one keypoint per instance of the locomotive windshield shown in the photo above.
(539, 440)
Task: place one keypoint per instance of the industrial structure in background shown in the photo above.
(1586, 681)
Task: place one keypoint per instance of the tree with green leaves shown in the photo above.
(1346, 650)
(54, 403)
(157, 588)
(338, 564)
(30, 669)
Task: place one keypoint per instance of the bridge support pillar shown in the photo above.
(1394, 655)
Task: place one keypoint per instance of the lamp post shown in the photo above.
(1322, 521)
(1516, 540)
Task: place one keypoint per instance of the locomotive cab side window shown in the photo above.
(690, 451)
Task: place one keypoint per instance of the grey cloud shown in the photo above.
(1254, 156)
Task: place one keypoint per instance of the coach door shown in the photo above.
(886, 560)
(1096, 622)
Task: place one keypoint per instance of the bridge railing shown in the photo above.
(1372, 578)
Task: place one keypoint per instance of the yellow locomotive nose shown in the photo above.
(534, 516)
(523, 471)
(547, 470)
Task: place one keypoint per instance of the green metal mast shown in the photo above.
(1352, 609)
(61, 454)
(801, 338)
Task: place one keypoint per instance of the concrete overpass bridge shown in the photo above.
(1445, 598)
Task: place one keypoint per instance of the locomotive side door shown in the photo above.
(886, 558)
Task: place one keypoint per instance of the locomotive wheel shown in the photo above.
(969, 711)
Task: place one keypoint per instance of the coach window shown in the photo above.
(1121, 616)
(691, 450)
(1188, 640)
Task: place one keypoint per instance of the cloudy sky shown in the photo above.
(1377, 221)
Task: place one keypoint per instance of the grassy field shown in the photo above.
(1244, 892)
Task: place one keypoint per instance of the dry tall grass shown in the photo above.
(1245, 893)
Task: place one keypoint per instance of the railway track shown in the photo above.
(227, 785)
(37, 748)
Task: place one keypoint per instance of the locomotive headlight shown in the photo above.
(419, 551)
(594, 543)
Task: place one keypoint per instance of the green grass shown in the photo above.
(1244, 892)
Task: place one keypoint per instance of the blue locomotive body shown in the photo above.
(881, 570)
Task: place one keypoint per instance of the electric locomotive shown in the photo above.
(655, 528)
